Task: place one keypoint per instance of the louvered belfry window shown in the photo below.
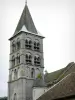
(36, 60)
(36, 45)
(28, 43)
(28, 59)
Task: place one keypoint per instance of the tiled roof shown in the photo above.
(51, 77)
(65, 87)
(54, 77)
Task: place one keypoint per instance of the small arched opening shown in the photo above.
(15, 96)
(37, 60)
(36, 45)
(28, 58)
(13, 61)
(18, 58)
(13, 46)
(32, 73)
(18, 44)
(28, 43)
(15, 74)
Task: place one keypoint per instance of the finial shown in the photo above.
(26, 2)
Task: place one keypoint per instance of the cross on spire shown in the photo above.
(26, 2)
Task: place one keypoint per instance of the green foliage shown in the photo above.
(3, 98)
(39, 76)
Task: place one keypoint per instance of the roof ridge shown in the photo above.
(67, 68)
(60, 89)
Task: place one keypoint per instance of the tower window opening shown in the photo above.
(18, 44)
(18, 59)
(32, 73)
(13, 47)
(15, 96)
(15, 74)
(28, 59)
(28, 44)
(36, 60)
(36, 46)
(13, 61)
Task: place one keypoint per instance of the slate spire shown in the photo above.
(26, 21)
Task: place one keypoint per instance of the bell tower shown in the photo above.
(26, 58)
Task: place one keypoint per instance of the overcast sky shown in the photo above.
(55, 19)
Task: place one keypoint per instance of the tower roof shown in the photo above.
(26, 24)
(26, 20)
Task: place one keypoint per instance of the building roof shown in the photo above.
(70, 68)
(39, 83)
(26, 20)
(26, 24)
(64, 88)
(51, 77)
(54, 77)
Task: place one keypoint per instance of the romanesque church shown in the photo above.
(26, 60)
(26, 78)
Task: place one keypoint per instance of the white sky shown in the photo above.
(55, 19)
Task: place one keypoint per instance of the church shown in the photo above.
(26, 76)
(27, 80)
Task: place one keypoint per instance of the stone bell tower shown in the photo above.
(26, 58)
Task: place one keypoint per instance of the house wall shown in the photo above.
(38, 91)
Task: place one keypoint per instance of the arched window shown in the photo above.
(18, 44)
(13, 61)
(10, 76)
(36, 45)
(15, 96)
(32, 73)
(18, 59)
(13, 46)
(37, 60)
(28, 43)
(15, 74)
(28, 58)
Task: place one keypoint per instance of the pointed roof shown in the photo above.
(26, 24)
(26, 20)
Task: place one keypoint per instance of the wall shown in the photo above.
(38, 91)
